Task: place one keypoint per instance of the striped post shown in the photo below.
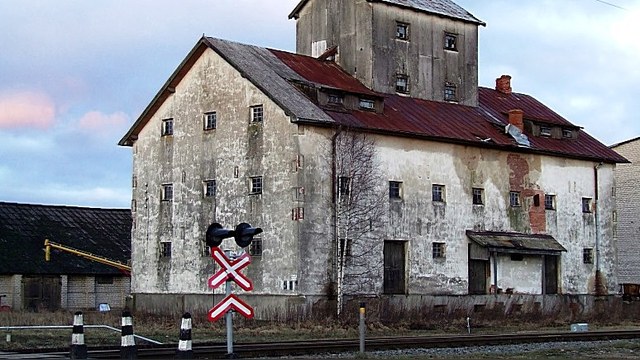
(128, 348)
(184, 345)
(78, 347)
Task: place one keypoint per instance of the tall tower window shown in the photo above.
(402, 84)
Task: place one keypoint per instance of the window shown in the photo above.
(517, 257)
(335, 99)
(298, 193)
(257, 113)
(395, 190)
(297, 213)
(586, 205)
(478, 196)
(367, 104)
(402, 31)
(134, 205)
(545, 131)
(451, 41)
(345, 247)
(514, 199)
(256, 185)
(549, 202)
(567, 133)
(587, 256)
(255, 248)
(402, 84)
(344, 185)
(450, 92)
(210, 119)
(165, 249)
(209, 188)
(104, 280)
(167, 127)
(134, 182)
(438, 250)
(167, 192)
(437, 193)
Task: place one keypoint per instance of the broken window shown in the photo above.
(451, 41)
(549, 202)
(255, 186)
(255, 249)
(438, 250)
(165, 249)
(478, 196)
(402, 31)
(450, 92)
(209, 188)
(257, 113)
(437, 193)
(395, 190)
(210, 120)
(514, 199)
(167, 192)
(586, 205)
(167, 127)
(587, 256)
(402, 84)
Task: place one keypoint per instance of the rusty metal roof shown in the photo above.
(24, 227)
(518, 243)
(446, 8)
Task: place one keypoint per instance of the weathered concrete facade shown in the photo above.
(628, 212)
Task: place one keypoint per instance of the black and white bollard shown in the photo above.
(128, 343)
(184, 345)
(78, 347)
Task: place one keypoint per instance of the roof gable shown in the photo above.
(24, 227)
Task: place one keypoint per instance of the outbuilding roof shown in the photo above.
(517, 243)
(446, 8)
(24, 228)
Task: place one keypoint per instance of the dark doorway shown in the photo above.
(394, 267)
(550, 285)
(478, 277)
(41, 292)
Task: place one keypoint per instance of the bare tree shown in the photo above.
(358, 205)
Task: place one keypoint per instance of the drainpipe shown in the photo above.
(599, 286)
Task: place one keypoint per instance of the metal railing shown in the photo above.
(8, 329)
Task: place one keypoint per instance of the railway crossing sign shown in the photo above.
(230, 302)
(230, 270)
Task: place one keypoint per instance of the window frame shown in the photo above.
(256, 185)
(208, 124)
(550, 202)
(165, 249)
(587, 255)
(210, 184)
(367, 104)
(167, 127)
(586, 205)
(404, 34)
(477, 196)
(335, 99)
(450, 92)
(567, 133)
(448, 44)
(545, 131)
(515, 200)
(438, 250)
(344, 186)
(257, 113)
(402, 84)
(438, 194)
(166, 192)
(255, 248)
(395, 190)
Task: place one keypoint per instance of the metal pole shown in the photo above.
(229, 321)
(362, 326)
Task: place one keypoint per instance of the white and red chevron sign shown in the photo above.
(230, 302)
(230, 269)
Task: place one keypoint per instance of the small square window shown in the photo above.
(451, 41)
(257, 113)
(395, 190)
(167, 127)
(450, 92)
(402, 31)
(587, 256)
(167, 192)
(478, 196)
(335, 99)
(209, 188)
(567, 133)
(255, 248)
(344, 186)
(367, 104)
(210, 120)
(256, 185)
(438, 250)
(298, 193)
(545, 131)
(514, 199)
(165, 249)
(586, 205)
(437, 193)
(549, 202)
(402, 84)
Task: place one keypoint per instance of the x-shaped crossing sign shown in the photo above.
(230, 269)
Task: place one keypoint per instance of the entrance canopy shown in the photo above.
(516, 243)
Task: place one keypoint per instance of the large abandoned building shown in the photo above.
(376, 165)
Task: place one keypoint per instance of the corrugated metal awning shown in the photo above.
(517, 243)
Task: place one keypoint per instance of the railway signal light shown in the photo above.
(244, 234)
(216, 233)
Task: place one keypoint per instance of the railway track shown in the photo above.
(309, 347)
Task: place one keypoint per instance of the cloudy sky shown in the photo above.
(75, 74)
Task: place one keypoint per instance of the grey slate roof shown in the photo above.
(24, 227)
(518, 243)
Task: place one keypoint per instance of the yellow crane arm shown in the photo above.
(87, 255)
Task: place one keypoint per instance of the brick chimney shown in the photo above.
(503, 84)
(516, 118)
